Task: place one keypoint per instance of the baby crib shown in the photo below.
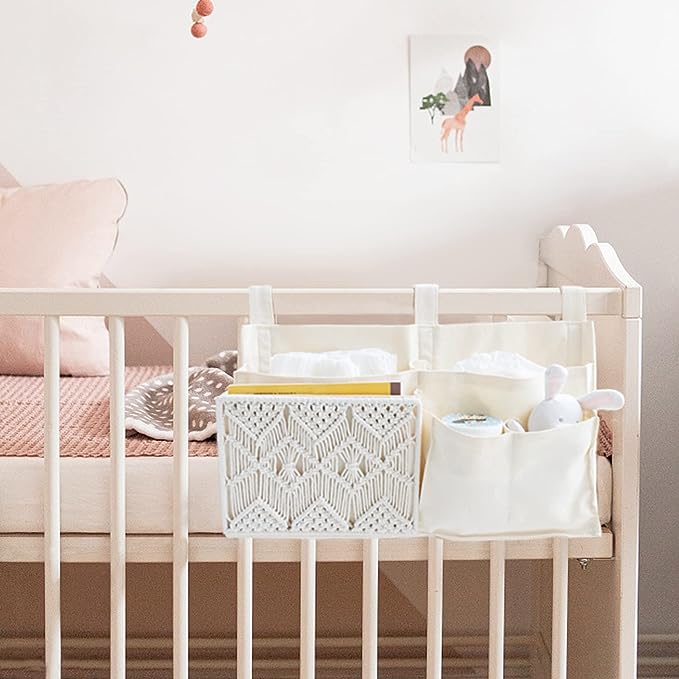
(586, 630)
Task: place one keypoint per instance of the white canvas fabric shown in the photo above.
(263, 338)
(514, 485)
(259, 343)
(545, 342)
(445, 391)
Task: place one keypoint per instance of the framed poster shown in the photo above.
(454, 109)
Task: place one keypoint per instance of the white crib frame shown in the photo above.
(568, 256)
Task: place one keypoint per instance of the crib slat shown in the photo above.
(307, 628)
(244, 606)
(370, 587)
(434, 608)
(496, 629)
(180, 542)
(52, 502)
(116, 328)
(560, 609)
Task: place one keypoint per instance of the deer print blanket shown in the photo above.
(149, 407)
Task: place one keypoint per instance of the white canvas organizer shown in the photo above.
(275, 478)
(304, 465)
(515, 485)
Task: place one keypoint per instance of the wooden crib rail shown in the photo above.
(601, 301)
(213, 548)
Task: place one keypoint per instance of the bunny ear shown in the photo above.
(514, 425)
(602, 399)
(555, 378)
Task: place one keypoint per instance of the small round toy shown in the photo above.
(205, 7)
(198, 30)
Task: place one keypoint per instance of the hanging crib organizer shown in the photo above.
(387, 466)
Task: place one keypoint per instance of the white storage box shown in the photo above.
(305, 465)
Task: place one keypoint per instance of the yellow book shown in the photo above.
(311, 389)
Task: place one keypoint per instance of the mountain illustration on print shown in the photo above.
(446, 85)
(474, 80)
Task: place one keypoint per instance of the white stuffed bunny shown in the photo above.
(560, 409)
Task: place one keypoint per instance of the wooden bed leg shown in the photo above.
(52, 503)
(180, 541)
(626, 505)
(370, 602)
(244, 610)
(307, 625)
(116, 330)
(496, 628)
(435, 608)
(560, 609)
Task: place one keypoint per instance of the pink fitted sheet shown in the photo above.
(84, 418)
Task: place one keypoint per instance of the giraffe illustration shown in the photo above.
(457, 123)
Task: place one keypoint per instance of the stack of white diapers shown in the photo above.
(353, 363)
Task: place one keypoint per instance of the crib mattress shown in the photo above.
(84, 417)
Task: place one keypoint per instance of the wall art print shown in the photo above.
(453, 99)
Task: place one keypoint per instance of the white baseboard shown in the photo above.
(400, 657)
(659, 656)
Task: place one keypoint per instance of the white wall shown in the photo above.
(276, 150)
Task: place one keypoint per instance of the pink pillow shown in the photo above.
(57, 236)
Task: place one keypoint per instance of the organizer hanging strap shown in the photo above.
(574, 310)
(261, 305)
(573, 303)
(426, 317)
(261, 319)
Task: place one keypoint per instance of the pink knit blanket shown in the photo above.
(84, 417)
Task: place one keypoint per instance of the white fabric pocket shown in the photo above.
(259, 343)
(445, 391)
(536, 484)
(543, 342)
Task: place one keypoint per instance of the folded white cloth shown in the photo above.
(354, 363)
(499, 364)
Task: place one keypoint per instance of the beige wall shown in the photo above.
(276, 150)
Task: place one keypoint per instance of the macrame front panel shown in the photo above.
(309, 465)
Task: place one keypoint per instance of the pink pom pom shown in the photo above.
(205, 7)
(198, 30)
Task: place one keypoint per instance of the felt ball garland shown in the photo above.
(202, 9)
